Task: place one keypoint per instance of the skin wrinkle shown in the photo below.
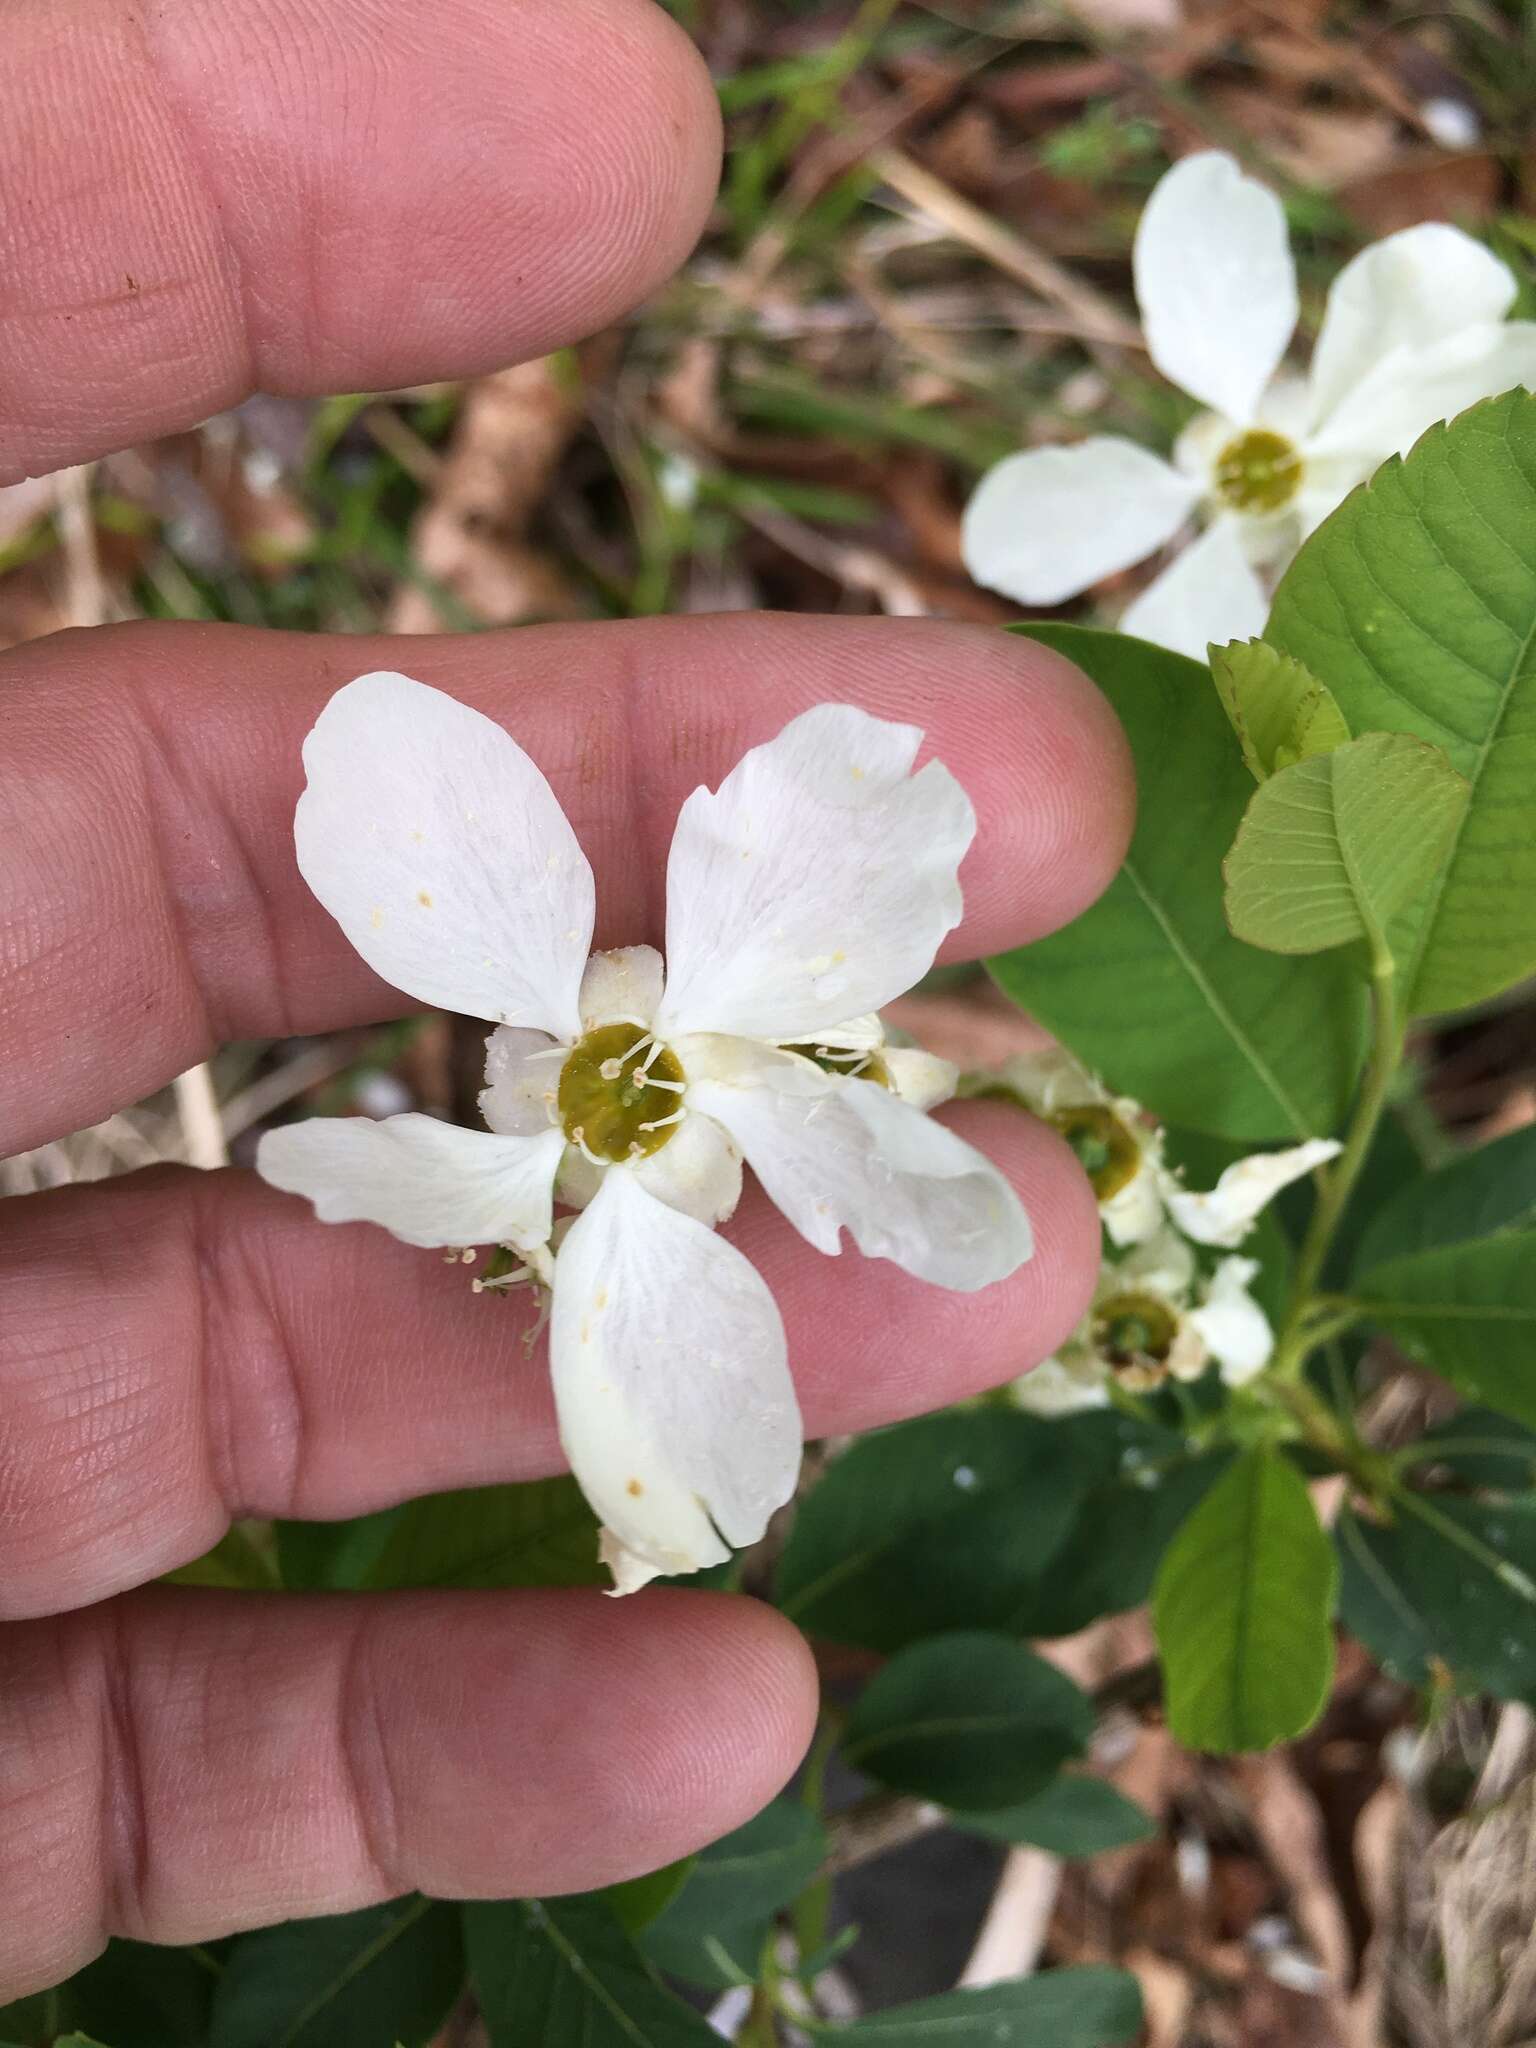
(1032, 742)
(238, 221)
(462, 1768)
(353, 1372)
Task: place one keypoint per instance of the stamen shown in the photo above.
(660, 1123)
(553, 1052)
(672, 1087)
(515, 1278)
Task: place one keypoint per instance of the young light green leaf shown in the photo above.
(1417, 600)
(1486, 1191)
(969, 1719)
(1279, 710)
(1332, 848)
(565, 1970)
(1087, 2008)
(387, 1973)
(1417, 1594)
(1149, 987)
(1074, 1816)
(1242, 1609)
(1468, 1311)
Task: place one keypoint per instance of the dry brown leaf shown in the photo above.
(510, 436)
(1427, 185)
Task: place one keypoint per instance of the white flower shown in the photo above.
(1230, 1323)
(1414, 332)
(1227, 1214)
(1153, 1319)
(1121, 1150)
(807, 891)
(1117, 1144)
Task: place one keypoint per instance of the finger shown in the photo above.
(208, 197)
(181, 1765)
(150, 905)
(177, 1350)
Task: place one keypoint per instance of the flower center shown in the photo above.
(1260, 471)
(1134, 1329)
(1107, 1152)
(856, 1065)
(621, 1093)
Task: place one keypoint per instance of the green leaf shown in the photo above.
(641, 1900)
(1139, 1484)
(1478, 1195)
(1279, 710)
(1242, 1609)
(1149, 987)
(969, 1719)
(1468, 1311)
(386, 1974)
(1482, 1448)
(1074, 1816)
(238, 1563)
(1417, 602)
(135, 1995)
(936, 1524)
(561, 1970)
(331, 1557)
(1331, 849)
(1416, 1598)
(1088, 2008)
(712, 1932)
(541, 1534)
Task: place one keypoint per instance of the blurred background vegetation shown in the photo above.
(919, 262)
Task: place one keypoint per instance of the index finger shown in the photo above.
(150, 904)
(206, 197)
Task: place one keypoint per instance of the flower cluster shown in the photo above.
(1415, 331)
(1157, 1314)
(807, 891)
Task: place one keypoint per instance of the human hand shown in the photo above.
(195, 199)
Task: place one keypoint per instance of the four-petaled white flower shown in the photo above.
(1414, 332)
(811, 888)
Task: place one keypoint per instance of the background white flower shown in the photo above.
(1414, 332)
(811, 888)
(1154, 1316)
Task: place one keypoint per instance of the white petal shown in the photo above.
(815, 884)
(1051, 522)
(1059, 1386)
(1049, 1079)
(624, 985)
(1413, 388)
(1227, 1214)
(1162, 1264)
(676, 1408)
(430, 1183)
(1208, 594)
(522, 1081)
(1135, 1212)
(1234, 1328)
(440, 850)
(856, 1034)
(1408, 291)
(1215, 282)
(919, 1077)
(835, 1155)
(698, 1171)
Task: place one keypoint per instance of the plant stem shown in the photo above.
(812, 1910)
(1295, 1342)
